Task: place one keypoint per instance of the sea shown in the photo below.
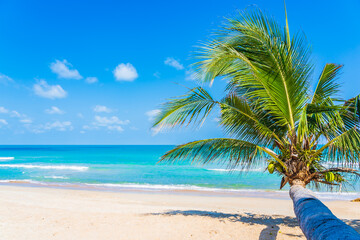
(134, 168)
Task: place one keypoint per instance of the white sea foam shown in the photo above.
(56, 177)
(260, 192)
(56, 167)
(224, 170)
(337, 195)
(6, 159)
(158, 187)
(152, 186)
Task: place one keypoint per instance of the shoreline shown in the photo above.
(179, 190)
(51, 213)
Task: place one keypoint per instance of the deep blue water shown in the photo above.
(122, 167)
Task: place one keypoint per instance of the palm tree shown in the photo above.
(270, 115)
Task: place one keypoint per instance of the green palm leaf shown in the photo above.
(194, 107)
(233, 152)
(268, 110)
(260, 65)
(247, 122)
(327, 85)
(344, 147)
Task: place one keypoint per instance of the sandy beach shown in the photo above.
(49, 213)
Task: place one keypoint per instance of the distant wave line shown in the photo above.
(56, 177)
(180, 187)
(198, 188)
(57, 167)
(6, 158)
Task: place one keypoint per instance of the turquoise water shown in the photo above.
(122, 167)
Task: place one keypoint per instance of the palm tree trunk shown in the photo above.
(315, 219)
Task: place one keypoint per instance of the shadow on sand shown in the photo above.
(353, 223)
(271, 223)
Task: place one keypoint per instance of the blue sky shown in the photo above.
(93, 72)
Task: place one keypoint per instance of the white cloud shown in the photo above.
(62, 69)
(54, 110)
(26, 121)
(99, 108)
(152, 113)
(125, 72)
(162, 128)
(87, 127)
(116, 128)
(91, 80)
(5, 79)
(59, 126)
(174, 63)
(3, 110)
(111, 123)
(156, 74)
(190, 75)
(106, 121)
(155, 130)
(216, 119)
(3, 122)
(17, 114)
(43, 89)
(151, 116)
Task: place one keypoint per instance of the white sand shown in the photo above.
(47, 213)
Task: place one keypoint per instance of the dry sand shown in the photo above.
(48, 213)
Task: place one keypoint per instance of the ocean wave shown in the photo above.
(56, 177)
(281, 194)
(6, 159)
(151, 186)
(173, 187)
(158, 187)
(337, 195)
(56, 167)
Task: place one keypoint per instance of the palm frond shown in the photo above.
(192, 107)
(248, 123)
(343, 148)
(326, 118)
(254, 55)
(268, 110)
(344, 170)
(233, 152)
(327, 85)
(352, 114)
(303, 128)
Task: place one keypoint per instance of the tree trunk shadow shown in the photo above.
(271, 223)
(271, 229)
(354, 223)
